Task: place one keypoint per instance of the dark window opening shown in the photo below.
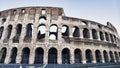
(41, 32)
(18, 33)
(111, 57)
(116, 57)
(53, 32)
(39, 53)
(13, 12)
(28, 36)
(105, 56)
(1, 31)
(88, 56)
(3, 55)
(65, 30)
(78, 56)
(23, 11)
(52, 56)
(13, 55)
(107, 36)
(3, 20)
(99, 26)
(84, 23)
(94, 34)
(42, 19)
(25, 56)
(101, 35)
(86, 33)
(98, 56)
(65, 56)
(76, 32)
(115, 39)
(43, 11)
(111, 36)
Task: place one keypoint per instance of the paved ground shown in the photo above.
(97, 65)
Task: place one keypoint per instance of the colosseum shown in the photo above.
(44, 35)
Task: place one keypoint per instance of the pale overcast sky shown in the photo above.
(96, 10)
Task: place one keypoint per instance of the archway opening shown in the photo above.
(105, 56)
(98, 56)
(65, 56)
(75, 31)
(116, 57)
(1, 31)
(25, 56)
(65, 30)
(52, 56)
(28, 36)
(53, 32)
(3, 55)
(111, 57)
(101, 35)
(94, 34)
(42, 19)
(18, 33)
(39, 54)
(41, 32)
(86, 33)
(13, 55)
(107, 36)
(88, 56)
(77, 56)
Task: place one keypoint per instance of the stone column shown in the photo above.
(34, 35)
(108, 56)
(72, 56)
(83, 57)
(45, 56)
(7, 58)
(102, 57)
(81, 33)
(19, 56)
(98, 35)
(90, 31)
(32, 56)
(104, 36)
(114, 57)
(13, 33)
(59, 59)
(23, 33)
(4, 34)
(70, 31)
(93, 55)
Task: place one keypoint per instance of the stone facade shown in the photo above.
(42, 35)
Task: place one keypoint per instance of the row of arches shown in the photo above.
(53, 33)
(65, 56)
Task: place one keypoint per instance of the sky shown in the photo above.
(99, 11)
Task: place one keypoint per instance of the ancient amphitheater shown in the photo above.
(44, 35)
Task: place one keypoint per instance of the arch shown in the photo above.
(86, 33)
(18, 33)
(39, 54)
(94, 34)
(3, 53)
(53, 32)
(77, 56)
(111, 56)
(29, 29)
(25, 55)
(65, 30)
(105, 56)
(42, 19)
(98, 56)
(13, 55)
(1, 31)
(101, 35)
(52, 56)
(89, 56)
(76, 32)
(65, 56)
(9, 29)
(107, 36)
(41, 32)
(116, 56)
(84, 23)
